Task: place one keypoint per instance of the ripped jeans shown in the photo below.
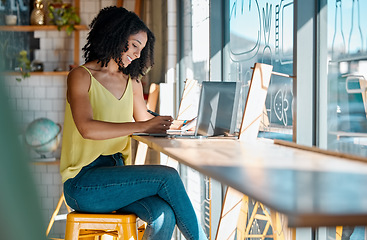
(155, 193)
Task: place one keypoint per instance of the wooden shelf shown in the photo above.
(63, 73)
(56, 162)
(31, 28)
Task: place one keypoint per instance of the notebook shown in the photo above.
(215, 112)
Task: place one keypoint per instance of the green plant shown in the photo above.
(24, 65)
(63, 15)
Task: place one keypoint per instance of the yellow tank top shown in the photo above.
(77, 152)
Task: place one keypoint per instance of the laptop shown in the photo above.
(216, 111)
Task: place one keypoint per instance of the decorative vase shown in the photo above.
(11, 19)
(38, 14)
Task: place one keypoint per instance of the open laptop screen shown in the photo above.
(216, 108)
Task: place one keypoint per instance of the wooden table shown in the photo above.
(312, 189)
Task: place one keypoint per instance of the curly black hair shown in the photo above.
(108, 39)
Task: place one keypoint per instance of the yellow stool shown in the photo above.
(83, 225)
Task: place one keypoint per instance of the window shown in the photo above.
(194, 64)
(194, 52)
(347, 76)
(262, 31)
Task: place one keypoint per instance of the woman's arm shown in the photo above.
(78, 84)
(140, 106)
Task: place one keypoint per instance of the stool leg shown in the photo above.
(72, 231)
(141, 231)
(127, 231)
(57, 209)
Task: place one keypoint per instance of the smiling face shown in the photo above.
(136, 43)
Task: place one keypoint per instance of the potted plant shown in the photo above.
(63, 15)
(24, 65)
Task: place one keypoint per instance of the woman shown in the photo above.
(104, 96)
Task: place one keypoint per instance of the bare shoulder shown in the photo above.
(78, 76)
(137, 85)
(78, 73)
(78, 83)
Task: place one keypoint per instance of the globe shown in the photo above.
(43, 136)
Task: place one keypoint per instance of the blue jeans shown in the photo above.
(155, 193)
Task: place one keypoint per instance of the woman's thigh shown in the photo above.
(109, 188)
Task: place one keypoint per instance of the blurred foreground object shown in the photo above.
(20, 217)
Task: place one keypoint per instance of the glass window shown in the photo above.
(347, 76)
(194, 64)
(262, 31)
(195, 37)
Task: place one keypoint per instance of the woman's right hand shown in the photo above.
(159, 124)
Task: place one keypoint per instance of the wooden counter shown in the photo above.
(311, 188)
